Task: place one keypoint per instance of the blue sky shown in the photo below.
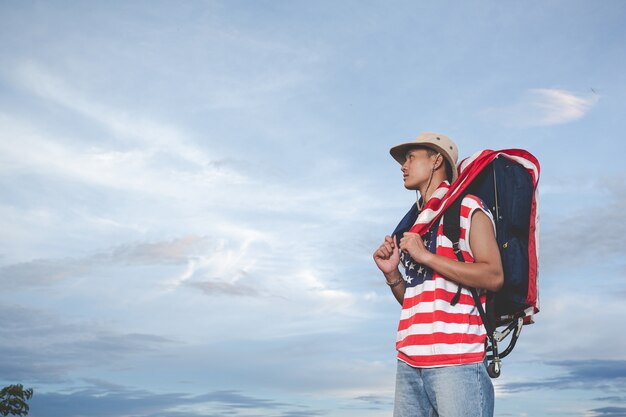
(190, 193)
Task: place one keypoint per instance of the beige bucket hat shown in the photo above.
(440, 143)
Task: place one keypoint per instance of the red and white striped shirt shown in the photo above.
(432, 332)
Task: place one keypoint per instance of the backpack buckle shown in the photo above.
(455, 247)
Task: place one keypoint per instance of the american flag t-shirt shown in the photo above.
(432, 332)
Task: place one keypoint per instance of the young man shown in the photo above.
(441, 346)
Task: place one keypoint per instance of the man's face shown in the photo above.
(416, 169)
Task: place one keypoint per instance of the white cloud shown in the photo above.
(221, 266)
(149, 156)
(324, 297)
(565, 329)
(45, 272)
(544, 107)
(568, 185)
(25, 149)
(561, 106)
(599, 222)
(38, 345)
(121, 123)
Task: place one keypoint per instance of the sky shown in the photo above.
(191, 193)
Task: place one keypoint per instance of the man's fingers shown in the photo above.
(387, 249)
(382, 252)
(408, 239)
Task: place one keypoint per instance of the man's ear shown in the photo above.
(438, 162)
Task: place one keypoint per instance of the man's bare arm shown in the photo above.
(486, 271)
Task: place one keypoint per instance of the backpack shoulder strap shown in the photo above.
(452, 230)
(452, 226)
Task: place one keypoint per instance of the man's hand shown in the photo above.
(387, 256)
(413, 244)
(486, 270)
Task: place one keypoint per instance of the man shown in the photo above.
(440, 343)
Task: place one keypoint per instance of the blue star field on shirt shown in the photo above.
(416, 273)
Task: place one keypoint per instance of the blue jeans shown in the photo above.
(447, 391)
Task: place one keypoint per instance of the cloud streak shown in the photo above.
(544, 107)
(604, 375)
(121, 124)
(37, 346)
(609, 412)
(140, 169)
(560, 106)
(43, 272)
(566, 243)
(101, 399)
(212, 266)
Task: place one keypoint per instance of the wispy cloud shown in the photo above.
(214, 266)
(43, 272)
(376, 402)
(142, 168)
(544, 107)
(608, 412)
(560, 106)
(124, 151)
(566, 244)
(102, 399)
(40, 347)
(605, 375)
(122, 124)
(613, 398)
(176, 168)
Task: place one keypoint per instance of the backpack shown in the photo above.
(506, 181)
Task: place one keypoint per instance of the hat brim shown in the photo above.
(399, 152)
